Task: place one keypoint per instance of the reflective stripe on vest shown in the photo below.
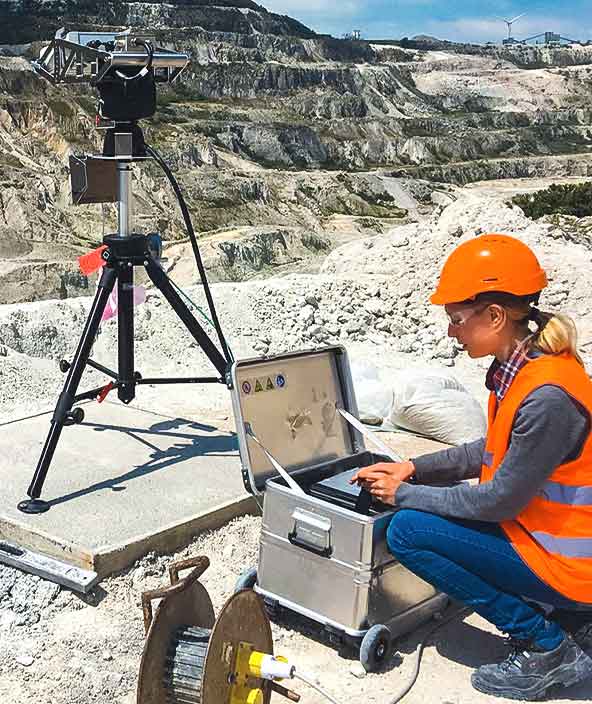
(566, 494)
(568, 547)
(553, 532)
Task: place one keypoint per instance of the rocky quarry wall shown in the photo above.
(272, 127)
(29, 20)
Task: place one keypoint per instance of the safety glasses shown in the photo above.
(457, 320)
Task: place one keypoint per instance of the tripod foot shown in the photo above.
(34, 506)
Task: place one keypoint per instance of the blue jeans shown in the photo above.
(474, 562)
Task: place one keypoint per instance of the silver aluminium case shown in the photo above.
(317, 558)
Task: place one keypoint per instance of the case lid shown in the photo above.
(290, 403)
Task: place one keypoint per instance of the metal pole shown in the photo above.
(125, 205)
(125, 288)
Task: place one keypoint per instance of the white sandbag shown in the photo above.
(373, 395)
(426, 401)
(434, 403)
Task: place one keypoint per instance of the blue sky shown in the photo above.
(457, 20)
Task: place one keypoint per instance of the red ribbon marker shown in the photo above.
(93, 261)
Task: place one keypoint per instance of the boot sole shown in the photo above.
(562, 675)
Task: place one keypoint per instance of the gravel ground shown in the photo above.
(60, 648)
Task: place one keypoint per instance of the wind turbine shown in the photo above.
(510, 23)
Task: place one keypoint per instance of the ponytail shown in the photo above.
(556, 333)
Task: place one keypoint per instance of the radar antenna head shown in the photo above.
(123, 66)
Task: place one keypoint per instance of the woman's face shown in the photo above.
(471, 326)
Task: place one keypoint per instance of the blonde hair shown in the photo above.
(556, 333)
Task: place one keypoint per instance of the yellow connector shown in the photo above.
(269, 667)
(251, 668)
(247, 685)
(255, 662)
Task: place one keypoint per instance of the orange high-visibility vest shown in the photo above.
(553, 534)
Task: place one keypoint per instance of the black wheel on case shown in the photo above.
(375, 647)
(247, 580)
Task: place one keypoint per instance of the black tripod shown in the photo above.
(123, 252)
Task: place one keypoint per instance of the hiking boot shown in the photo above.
(528, 672)
(577, 623)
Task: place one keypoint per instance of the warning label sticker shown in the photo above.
(263, 384)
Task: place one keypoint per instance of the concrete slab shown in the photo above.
(124, 482)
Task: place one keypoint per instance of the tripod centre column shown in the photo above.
(125, 198)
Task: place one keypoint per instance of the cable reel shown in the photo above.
(190, 657)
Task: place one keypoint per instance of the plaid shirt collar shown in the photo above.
(501, 374)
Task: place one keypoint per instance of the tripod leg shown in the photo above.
(66, 399)
(161, 281)
(125, 328)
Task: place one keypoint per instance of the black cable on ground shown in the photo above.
(198, 260)
(460, 613)
(457, 613)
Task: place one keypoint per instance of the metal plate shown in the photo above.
(93, 179)
(242, 618)
(290, 403)
(47, 567)
(192, 607)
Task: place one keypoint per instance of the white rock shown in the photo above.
(25, 660)
(375, 307)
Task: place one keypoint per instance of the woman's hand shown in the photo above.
(383, 479)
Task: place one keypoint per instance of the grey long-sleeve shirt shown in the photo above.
(550, 428)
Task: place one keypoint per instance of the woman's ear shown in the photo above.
(497, 316)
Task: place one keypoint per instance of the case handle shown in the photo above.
(311, 532)
(323, 552)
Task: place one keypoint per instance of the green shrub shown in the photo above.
(562, 199)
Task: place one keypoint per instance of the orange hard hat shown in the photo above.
(489, 263)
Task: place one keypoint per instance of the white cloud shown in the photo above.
(299, 8)
(324, 16)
